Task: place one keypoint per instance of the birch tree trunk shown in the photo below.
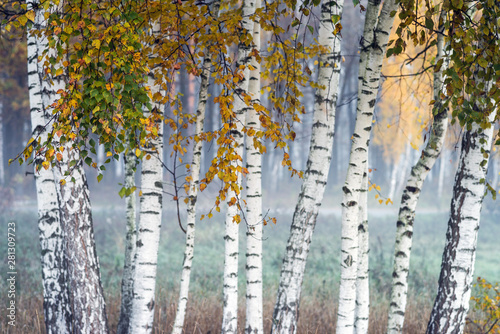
(193, 191)
(56, 299)
(148, 232)
(376, 35)
(230, 291)
(457, 267)
(87, 299)
(286, 309)
(254, 321)
(127, 288)
(362, 281)
(409, 201)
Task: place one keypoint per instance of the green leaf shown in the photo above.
(355, 2)
(122, 192)
(99, 177)
(482, 62)
(311, 29)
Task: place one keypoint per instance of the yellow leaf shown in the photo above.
(140, 193)
(46, 164)
(22, 19)
(31, 15)
(59, 156)
(137, 152)
(380, 201)
(203, 186)
(108, 154)
(62, 182)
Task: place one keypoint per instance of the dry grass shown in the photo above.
(204, 316)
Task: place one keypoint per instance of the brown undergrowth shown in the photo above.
(204, 316)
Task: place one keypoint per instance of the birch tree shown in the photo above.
(254, 319)
(409, 201)
(375, 38)
(286, 309)
(240, 107)
(56, 298)
(150, 215)
(194, 183)
(130, 244)
(362, 311)
(452, 301)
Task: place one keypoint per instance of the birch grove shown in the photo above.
(376, 34)
(286, 309)
(409, 201)
(114, 81)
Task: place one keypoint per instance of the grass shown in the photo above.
(320, 288)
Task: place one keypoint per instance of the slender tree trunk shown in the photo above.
(127, 288)
(286, 310)
(148, 232)
(254, 321)
(230, 291)
(193, 191)
(409, 201)
(362, 281)
(457, 267)
(377, 33)
(56, 299)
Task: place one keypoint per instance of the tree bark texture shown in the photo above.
(377, 31)
(254, 320)
(457, 267)
(127, 287)
(409, 201)
(362, 314)
(150, 215)
(230, 285)
(87, 299)
(56, 299)
(286, 309)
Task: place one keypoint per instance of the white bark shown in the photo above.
(148, 231)
(362, 281)
(409, 201)
(254, 321)
(56, 299)
(193, 192)
(87, 299)
(377, 31)
(457, 267)
(442, 169)
(286, 309)
(230, 291)
(130, 245)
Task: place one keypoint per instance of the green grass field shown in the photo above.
(321, 283)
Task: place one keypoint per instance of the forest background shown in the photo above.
(401, 118)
